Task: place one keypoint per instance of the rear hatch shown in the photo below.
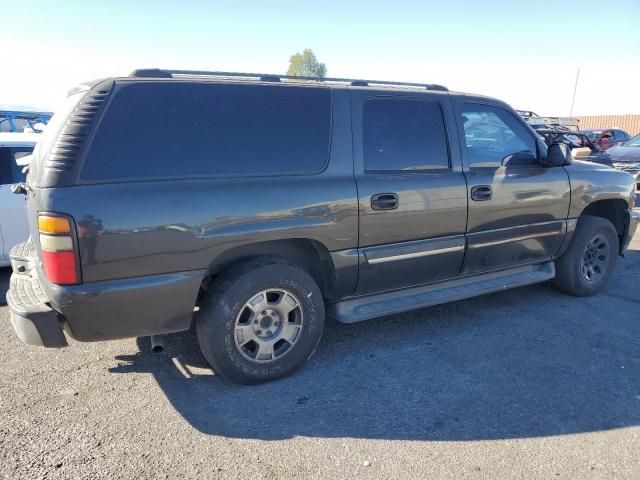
(54, 164)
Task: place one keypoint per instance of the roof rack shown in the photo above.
(265, 77)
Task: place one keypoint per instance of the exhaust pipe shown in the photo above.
(157, 343)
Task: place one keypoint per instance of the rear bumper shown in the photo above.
(33, 320)
(41, 312)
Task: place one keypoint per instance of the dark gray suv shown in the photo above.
(254, 205)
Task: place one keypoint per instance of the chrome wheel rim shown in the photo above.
(268, 325)
(595, 259)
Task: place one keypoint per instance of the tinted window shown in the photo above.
(494, 136)
(619, 135)
(187, 129)
(10, 171)
(402, 134)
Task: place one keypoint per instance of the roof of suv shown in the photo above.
(148, 74)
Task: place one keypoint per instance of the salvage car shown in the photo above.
(256, 205)
(607, 137)
(579, 142)
(21, 121)
(625, 157)
(13, 215)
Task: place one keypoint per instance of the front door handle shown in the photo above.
(384, 201)
(480, 193)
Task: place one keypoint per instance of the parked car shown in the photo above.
(607, 137)
(538, 121)
(625, 157)
(13, 215)
(20, 121)
(264, 203)
(579, 143)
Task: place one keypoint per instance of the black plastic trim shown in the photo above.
(389, 303)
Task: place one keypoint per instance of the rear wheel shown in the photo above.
(260, 321)
(586, 266)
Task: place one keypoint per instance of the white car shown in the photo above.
(13, 215)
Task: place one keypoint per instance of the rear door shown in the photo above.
(13, 215)
(517, 207)
(411, 189)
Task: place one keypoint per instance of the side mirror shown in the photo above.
(558, 155)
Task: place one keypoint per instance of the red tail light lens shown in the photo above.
(59, 258)
(60, 267)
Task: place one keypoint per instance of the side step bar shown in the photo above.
(372, 306)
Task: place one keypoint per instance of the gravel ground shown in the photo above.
(528, 383)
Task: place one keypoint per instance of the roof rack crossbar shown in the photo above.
(161, 73)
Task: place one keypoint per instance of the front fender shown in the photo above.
(592, 182)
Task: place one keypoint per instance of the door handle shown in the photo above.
(480, 193)
(384, 201)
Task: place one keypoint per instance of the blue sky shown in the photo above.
(525, 52)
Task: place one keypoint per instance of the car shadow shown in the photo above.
(522, 363)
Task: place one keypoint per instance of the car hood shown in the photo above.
(589, 165)
(624, 154)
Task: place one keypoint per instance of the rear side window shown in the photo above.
(185, 129)
(404, 134)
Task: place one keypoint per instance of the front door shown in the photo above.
(517, 207)
(412, 192)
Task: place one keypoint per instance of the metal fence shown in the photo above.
(628, 123)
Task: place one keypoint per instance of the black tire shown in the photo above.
(225, 303)
(572, 268)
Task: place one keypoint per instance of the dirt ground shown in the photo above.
(527, 383)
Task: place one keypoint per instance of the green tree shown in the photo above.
(306, 64)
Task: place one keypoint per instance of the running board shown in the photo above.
(372, 306)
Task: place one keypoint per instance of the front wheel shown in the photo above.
(260, 321)
(586, 266)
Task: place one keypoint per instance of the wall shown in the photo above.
(628, 123)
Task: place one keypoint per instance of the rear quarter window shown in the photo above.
(169, 130)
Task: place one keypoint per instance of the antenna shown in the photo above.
(575, 87)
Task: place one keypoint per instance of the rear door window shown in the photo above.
(175, 129)
(404, 134)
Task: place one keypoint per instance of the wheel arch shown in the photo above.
(310, 255)
(614, 210)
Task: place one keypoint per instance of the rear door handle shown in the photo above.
(384, 201)
(481, 193)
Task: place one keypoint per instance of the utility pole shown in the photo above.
(575, 87)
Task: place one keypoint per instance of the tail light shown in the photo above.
(58, 250)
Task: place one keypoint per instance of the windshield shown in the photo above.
(634, 142)
(592, 134)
